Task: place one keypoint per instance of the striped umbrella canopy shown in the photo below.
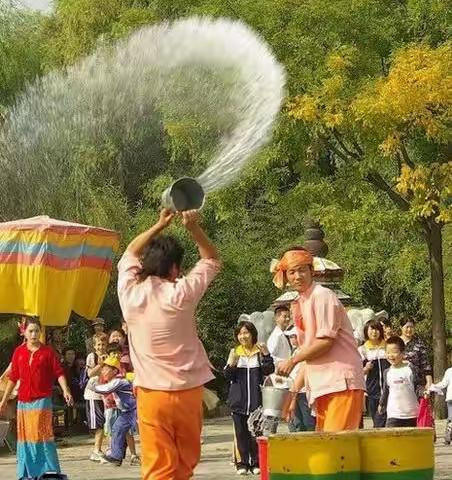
(50, 268)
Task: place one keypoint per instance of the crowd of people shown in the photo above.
(170, 365)
(334, 378)
(312, 347)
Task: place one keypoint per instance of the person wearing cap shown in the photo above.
(170, 363)
(98, 328)
(333, 371)
(122, 391)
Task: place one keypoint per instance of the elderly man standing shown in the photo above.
(333, 372)
(171, 365)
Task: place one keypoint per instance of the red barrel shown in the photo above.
(262, 444)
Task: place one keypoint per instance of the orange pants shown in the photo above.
(339, 411)
(170, 431)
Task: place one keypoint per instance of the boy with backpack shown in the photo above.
(94, 403)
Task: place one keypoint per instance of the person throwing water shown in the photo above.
(171, 365)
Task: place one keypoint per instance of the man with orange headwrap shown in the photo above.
(333, 371)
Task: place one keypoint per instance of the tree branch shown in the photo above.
(406, 157)
(399, 162)
(384, 67)
(336, 151)
(378, 181)
(358, 148)
(341, 142)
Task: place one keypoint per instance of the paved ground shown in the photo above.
(214, 465)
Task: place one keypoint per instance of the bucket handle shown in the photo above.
(268, 381)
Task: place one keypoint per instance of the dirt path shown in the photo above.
(215, 463)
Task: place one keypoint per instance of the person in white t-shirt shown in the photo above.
(94, 403)
(446, 384)
(278, 344)
(402, 387)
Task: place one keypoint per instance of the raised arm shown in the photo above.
(207, 249)
(138, 244)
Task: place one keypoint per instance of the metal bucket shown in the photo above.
(273, 400)
(184, 194)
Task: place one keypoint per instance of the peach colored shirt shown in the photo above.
(323, 315)
(164, 346)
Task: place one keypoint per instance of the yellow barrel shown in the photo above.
(396, 454)
(314, 456)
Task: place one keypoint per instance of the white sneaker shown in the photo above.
(135, 461)
(256, 471)
(242, 471)
(96, 457)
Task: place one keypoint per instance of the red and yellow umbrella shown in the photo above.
(49, 268)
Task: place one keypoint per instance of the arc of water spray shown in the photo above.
(260, 81)
(116, 89)
(261, 97)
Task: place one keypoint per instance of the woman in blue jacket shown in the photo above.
(248, 364)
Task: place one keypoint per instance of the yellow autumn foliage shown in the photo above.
(390, 144)
(414, 98)
(333, 119)
(341, 59)
(429, 190)
(304, 107)
(417, 93)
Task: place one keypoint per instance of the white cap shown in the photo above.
(290, 331)
(382, 314)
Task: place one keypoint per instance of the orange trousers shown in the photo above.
(170, 426)
(339, 411)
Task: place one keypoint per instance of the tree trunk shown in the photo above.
(434, 238)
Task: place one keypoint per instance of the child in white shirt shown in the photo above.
(402, 387)
(446, 384)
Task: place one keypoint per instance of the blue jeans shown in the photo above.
(302, 421)
(125, 422)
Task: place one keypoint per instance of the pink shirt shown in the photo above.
(323, 315)
(165, 350)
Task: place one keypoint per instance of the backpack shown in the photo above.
(84, 378)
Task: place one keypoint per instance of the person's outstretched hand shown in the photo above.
(166, 216)
(190, 218)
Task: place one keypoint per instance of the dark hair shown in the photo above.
(119, 330)
(407, 320)
(281, 308)
(114, 347)
(250, 327)
(396, 341)
(376, 325)
(33, 321)
(69, 349)
(159, 257)
(386, 322)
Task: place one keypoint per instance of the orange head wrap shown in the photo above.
(291, 259)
